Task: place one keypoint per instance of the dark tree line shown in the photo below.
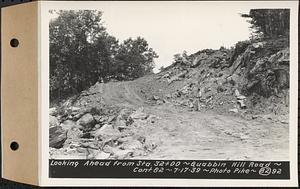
(82, 53)
(269, 23)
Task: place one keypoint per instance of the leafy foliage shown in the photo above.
(135, 59)
(269, 23)
(82, 53)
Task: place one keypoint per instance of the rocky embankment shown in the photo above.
(252, 78)
(98, 133)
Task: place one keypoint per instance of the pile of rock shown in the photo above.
(158, 100)
(216, 79)
(92, 135)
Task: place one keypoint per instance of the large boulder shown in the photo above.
(102, 155)
(120, 122)
(69, 124)
(87, 121)
(139, 114)
(53, 111)
(125, 113)
(74, 134)
(74, 109)
(106, 131)
(123, 119)
(57, 137)
(53, 121)
(131, 145)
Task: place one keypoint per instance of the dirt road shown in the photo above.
(182, 134)
(193, 135)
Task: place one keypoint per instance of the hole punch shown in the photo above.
(14, 146)
(14, 42)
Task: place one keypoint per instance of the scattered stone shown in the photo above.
(111, 119)
(155, 97)
(131, 145)
(124, 114)
(234, 110)
(91, 145)
(185, 90)
(74, 134)
(237, 93)
(122, 154)
(120, 122)
(244, 137)
(142, 139)
(57, 137)
(105, 131)
(242, 104)
(53, 111)
(150, 146)
(74, 109)
(125, 139)
(102, 155)
(69, 124)
(92, 153)
(77, 116)
(97, 118)
(53, 121)
(86, 120)
(268, 116)
(122, 128)
(97, 126)
(241, 97)
(139, 114)
(152, 118)
(159, 102)
(284, 121)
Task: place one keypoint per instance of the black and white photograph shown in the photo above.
(173, 82)
(150, 93)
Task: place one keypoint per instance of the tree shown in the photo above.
(73, 60)
(269, 23)
(134, 59)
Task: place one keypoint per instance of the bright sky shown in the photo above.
(172, 27)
